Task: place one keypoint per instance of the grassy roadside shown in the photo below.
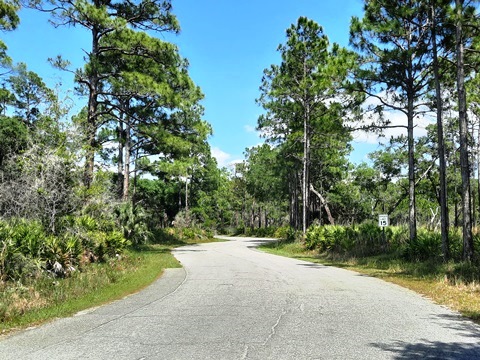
(432, 280)
(41, 300)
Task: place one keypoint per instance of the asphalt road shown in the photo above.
(233, 302)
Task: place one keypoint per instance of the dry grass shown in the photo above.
(461, 297)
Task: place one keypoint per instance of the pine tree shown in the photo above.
(301, 97)
(106, 19)
(393, 39)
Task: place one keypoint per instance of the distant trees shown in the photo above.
(393, 38)
(142, 116)
(404, 64)
(407, 48)
(145, 143)
(303, 109)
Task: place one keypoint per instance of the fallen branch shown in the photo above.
(323, 203)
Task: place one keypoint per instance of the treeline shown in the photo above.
(135, 159)
(415, 60)
(79, 189)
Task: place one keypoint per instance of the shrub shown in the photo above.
(57, 261)
(176, 236)
(372, 240)
(13, 264)
(315, 238)
(115, 243)
(347, 238)
(463, 272)
(397, 237)
(427, 245)
(21, 246)
(182, 220)
(133, 221)
(262, 232)
(286, 233)
(28, 237)
(165, 236)
(362, 240)
(456, 243)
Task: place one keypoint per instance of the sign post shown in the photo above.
(383, 222)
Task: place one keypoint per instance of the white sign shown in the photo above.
(383, 220)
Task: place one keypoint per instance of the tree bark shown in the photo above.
(478, 170)
(463, 125)
(306, 149)
(294, 203)
(91, 137)
(120, 163)
(91, 125)
(126, 173)
(412, 218)
(441, 144)
(412, 215)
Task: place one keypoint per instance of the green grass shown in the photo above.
(39, 300)
(456, 285)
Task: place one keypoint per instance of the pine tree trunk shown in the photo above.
(91, 137)
(478, 169)
(120, 158)
(186, 196)
(259, 216)
(463, 125)
(412, 209)
(412, 218)
(441, 145)
(91, 126)
(291, 192)
(126, 173)
(471, 160)
(294, 203)
(305, 176)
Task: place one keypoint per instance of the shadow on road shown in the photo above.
(428, 350)
(189, 250)
(314, 266)
(461, 325)
(254, 243)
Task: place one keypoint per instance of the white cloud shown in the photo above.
(396, 118)
(250, 129)
(221, 156)
(224, 159)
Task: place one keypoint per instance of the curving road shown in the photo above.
(233, 302)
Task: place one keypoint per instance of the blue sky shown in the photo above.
(228, 44)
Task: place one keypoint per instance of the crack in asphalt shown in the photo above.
(272, 332)
(245, 352)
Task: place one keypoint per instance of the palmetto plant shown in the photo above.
(133, 222)
(19, 249)
(29, 237)
(8, 253)
(26, 250)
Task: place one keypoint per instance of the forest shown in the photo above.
(134, 165)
